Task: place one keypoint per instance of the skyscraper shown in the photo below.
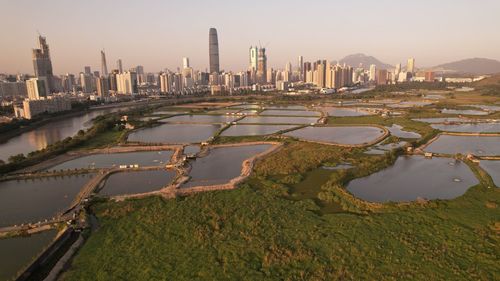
(88, 70)
(185, 62)
(300, 65)
(410, 67)
(213, 50)
(262, 66)
(373, 72)
(119, 65)
(104, 67)
(253, 57)
(42, 63)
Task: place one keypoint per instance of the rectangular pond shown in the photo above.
(254, 130)
(477, 145)
(438, 120)
(413, 177)
(469, 127)
(345, 111)
(277, 120)
(111, 160)
(285, 106)
(34, 200)
(175, 133)
(17, 253)
(356, 135)
(136, 182)
(207, 119)
(221, 164)
(464, 111)
(289, 112)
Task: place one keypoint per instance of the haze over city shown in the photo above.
(157, 34)
(249, 140)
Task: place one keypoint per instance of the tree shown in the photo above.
(17, 158)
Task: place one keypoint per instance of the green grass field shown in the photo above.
(258, 232)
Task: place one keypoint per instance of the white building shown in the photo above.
(37, 88)
(126, 83)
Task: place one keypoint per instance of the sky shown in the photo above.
(157, 34)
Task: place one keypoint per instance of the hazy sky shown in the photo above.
(157, 34)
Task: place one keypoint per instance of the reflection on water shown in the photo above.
(175, 133)
(254, 130)
(209, 119)
(412, 177)
(277, 120)
(469, 127)
(289, 112)
(340, 135)
(33, 200)
(49, 133)
(136, 182)
(397, 130)
(109, 160)
(477, 145)
(493, 169)
(18, 252)
(221, 164)
(346, 111)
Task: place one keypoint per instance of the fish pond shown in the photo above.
(477, 145)
(111, 160)
(34, 200)
(357, 135)
(175, 133)
(136, 182)
(255, 130)
(221, 164)
(413, 177)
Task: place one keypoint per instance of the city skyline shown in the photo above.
(76, 43)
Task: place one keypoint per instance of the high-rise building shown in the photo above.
(104, 67)
(253, 53)
(86, 82)
(139, 70)
(119, 65)
(42, 63)
(300, 64)
(37, 88)
(262, 66)
(68, 82)
(185, 62)
(306, 67)
(213, 50)
(381, 77)
(87, 70)
(398, 69)
(103, 87)
(373, 72)
(410, 67)
(127, 83)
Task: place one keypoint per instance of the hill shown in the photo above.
(356, 59)
(472, 66)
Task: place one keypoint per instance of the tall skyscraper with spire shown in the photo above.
(213, 50)
(104, 67)
(42, 63)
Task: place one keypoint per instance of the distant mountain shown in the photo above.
(357, 59)
(472, 66)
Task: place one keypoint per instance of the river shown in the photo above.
(49, 133)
